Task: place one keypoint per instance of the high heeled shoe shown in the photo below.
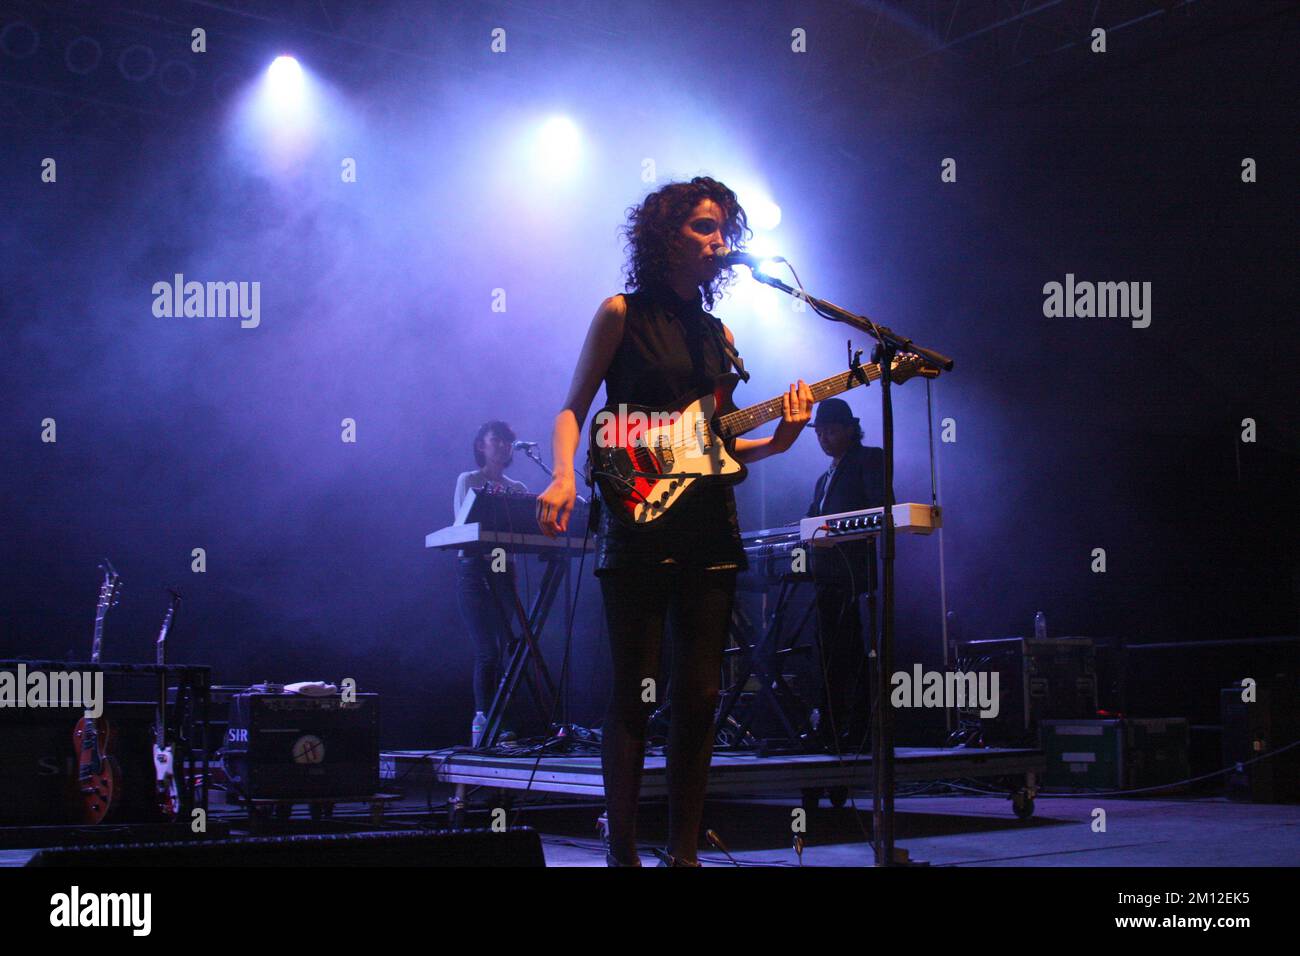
(602, 828)
(667, 859)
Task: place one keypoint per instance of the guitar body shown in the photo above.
(166, 792)
(646, 461)
(98, 774)
(167, 795)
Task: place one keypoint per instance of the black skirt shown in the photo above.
(701, 533)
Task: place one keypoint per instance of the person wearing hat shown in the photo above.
(854, 481)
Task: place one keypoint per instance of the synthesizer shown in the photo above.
(769, 550)
(488, 520)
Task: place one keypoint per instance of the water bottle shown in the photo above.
(1040, 626)
(477, 728)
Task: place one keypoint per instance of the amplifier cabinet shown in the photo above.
(291, 746)
(1062, 678)
(1125, 754)
(1053, 678)
(1253, 729)
(38, 766)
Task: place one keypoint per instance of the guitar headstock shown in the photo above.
(909, 365)
(110, 589)
(172, 607)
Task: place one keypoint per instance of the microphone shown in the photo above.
(715, 840)
(729, 257)
(524, 445)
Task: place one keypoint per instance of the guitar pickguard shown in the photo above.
(652, 460)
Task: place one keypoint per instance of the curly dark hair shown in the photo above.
(652, 228)
(502, 431)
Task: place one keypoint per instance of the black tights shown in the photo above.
(638, 602)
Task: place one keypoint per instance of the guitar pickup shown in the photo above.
(665, 451)
(703, 435)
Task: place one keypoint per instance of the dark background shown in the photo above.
(1072, 434)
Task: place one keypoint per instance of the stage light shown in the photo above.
(83, 55)
(559, 147)
(284, 78)
(752, 296)
(763, 213)
(282, 117)
(764, 247)
(19, 40)
(137, 62)
(176, 78)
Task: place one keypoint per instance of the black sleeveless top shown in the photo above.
(668, 351)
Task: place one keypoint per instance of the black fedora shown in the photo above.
(834, 411)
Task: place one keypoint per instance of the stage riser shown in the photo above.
(729, 775)
(520, 846)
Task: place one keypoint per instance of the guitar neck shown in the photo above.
(743, 420)
(107, 594)
(160, 645)
(88, 739)
(98, 638)
(160, 725)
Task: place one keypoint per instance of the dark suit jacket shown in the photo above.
(859, 482)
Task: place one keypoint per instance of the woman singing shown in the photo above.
(653, 346)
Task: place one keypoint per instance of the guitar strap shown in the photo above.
(728, 350)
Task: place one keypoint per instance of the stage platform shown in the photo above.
(732, 773)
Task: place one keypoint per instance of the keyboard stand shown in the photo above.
(525, 651)
(763, 661)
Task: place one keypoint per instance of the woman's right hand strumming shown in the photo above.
(555, 504)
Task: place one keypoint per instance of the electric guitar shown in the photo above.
(166, 792)
(645, 461)
(98, 774)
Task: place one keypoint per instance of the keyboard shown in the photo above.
(769, 549)
(496, 519)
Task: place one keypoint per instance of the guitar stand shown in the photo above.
(188, 719)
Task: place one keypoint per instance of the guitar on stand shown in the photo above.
(98, 774)
(166, 793)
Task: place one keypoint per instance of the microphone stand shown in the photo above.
(531, 455)
(889, 343)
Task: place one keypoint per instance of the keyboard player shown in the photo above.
(854, 481)
(478, 587)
